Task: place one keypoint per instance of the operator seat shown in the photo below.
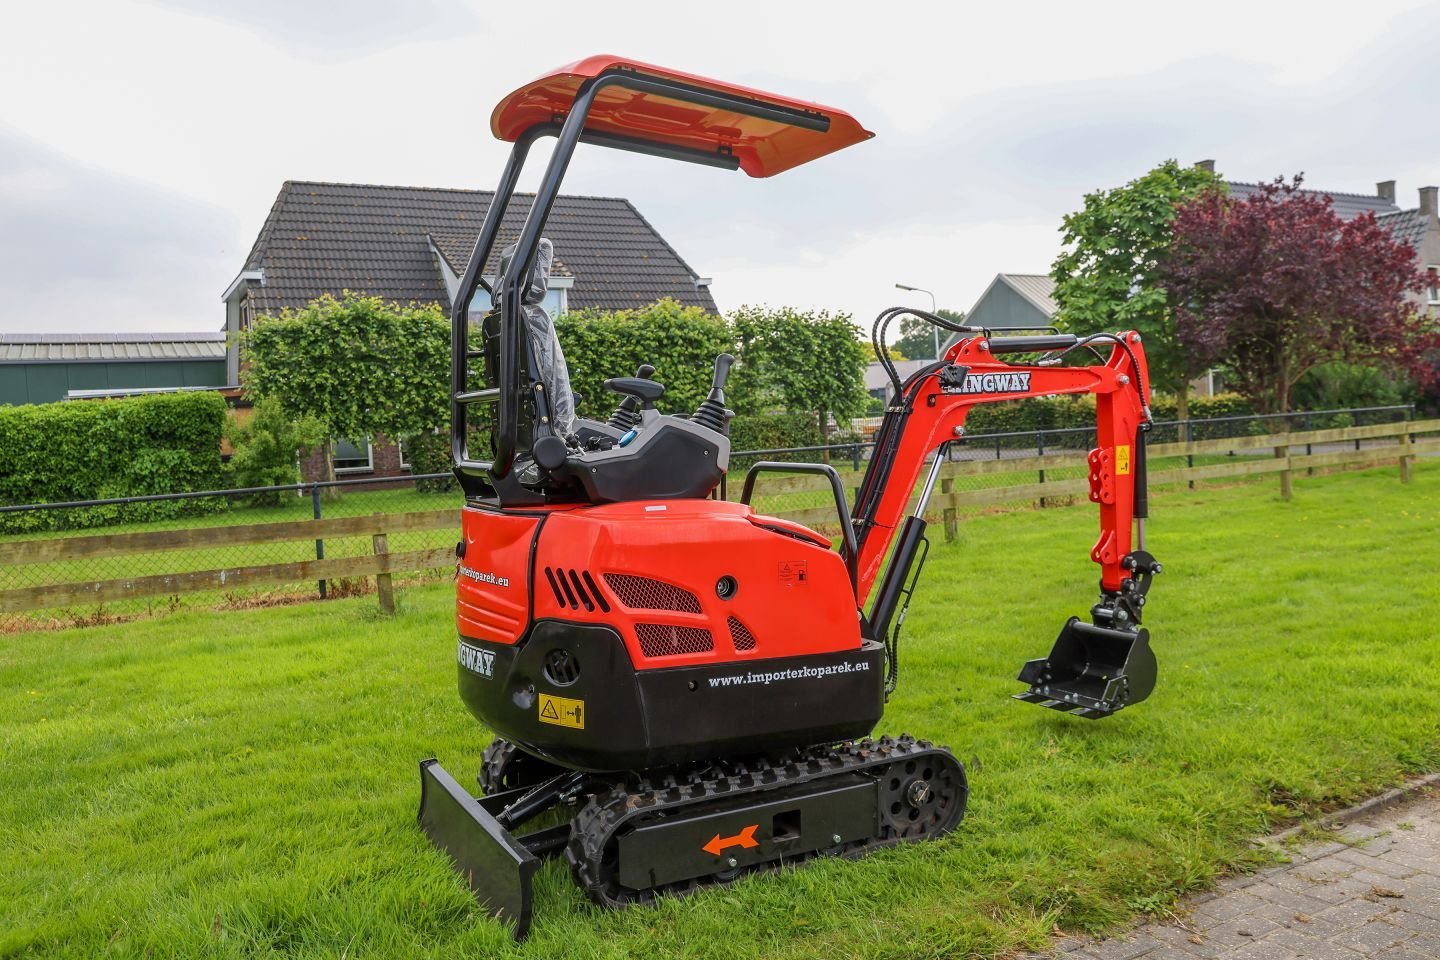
(540, 338)
(663, 457)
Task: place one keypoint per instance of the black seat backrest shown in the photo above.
(546, 358)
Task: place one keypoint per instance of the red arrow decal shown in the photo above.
(745, 838)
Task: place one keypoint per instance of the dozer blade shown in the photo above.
(1092, 671)
(497, 866)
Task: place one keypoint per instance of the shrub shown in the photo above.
(90, 450)
(680, 342)
(774, 431)
(1078, 412)
(430, 453)
(1044, 413)
(799, 360)
(265, 446)
(1205, 408)
(1336, 386)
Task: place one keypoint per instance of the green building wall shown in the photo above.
(48, 382)
(1003, 307)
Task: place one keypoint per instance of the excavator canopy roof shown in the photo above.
(761, 133)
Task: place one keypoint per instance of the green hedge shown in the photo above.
(680, 342)
(774, 431)
(1063, 413)
(94, 450)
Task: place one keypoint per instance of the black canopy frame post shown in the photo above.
(496, 476)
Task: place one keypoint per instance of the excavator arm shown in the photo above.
(1097, 667)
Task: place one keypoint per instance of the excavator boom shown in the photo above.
(1095, 668)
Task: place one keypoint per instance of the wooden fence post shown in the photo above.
(1287, 483)
(1407, 457)
(383, 586)
(952, 529)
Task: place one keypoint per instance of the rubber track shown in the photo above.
(593, 855)
(504, 766)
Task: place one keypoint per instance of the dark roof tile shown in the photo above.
(1347, 205)
(329, 237)
(1406, 226)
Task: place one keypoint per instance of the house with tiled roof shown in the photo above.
(412, 244)
(1015, 300)
(1418, 226)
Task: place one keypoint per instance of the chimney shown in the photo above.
(1427, 201)
(1206, 165)
(1385, 190)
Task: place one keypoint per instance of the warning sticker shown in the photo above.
(562, 711)
(793, 573)
(1122, 460)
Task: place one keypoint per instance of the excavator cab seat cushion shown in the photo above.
(547, 359)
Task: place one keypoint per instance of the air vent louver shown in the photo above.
(576, 589)
(665, 640)
(643, 593)
(740, 635)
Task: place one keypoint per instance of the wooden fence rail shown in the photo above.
(1403, 452)
(381, 563)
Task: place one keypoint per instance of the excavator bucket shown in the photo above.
(499, 868)
(1092, 671)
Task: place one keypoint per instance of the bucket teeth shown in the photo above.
(1094, 712)
(1092, 671)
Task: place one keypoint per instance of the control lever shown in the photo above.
(712, 412)
(627, 412)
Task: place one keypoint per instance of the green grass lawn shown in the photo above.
(245, 783)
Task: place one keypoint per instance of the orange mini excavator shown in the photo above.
(686, 685)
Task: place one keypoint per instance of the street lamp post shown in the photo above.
(934, 329)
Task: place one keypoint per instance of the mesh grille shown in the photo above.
(642, 593)
(664, 640)
(576, 590)
(740, 635)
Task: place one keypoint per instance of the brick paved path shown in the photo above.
(1374, 892)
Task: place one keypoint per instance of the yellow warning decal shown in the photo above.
(562, 711)
(1122, 460)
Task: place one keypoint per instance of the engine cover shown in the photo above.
(636, 634)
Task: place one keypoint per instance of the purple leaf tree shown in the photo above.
(1276, 283)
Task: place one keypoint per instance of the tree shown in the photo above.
(357, 364)
(264, 447)
(680, 342)
(1277, 283)
(808, 361)
(917, 337)
(1108, 278)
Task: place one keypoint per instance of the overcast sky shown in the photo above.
(142, 144)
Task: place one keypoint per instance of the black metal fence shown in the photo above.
(1019, 445)
(1023, 443)
(222, 510)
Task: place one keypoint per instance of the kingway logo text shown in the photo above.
(477, 661)
(993, 383)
